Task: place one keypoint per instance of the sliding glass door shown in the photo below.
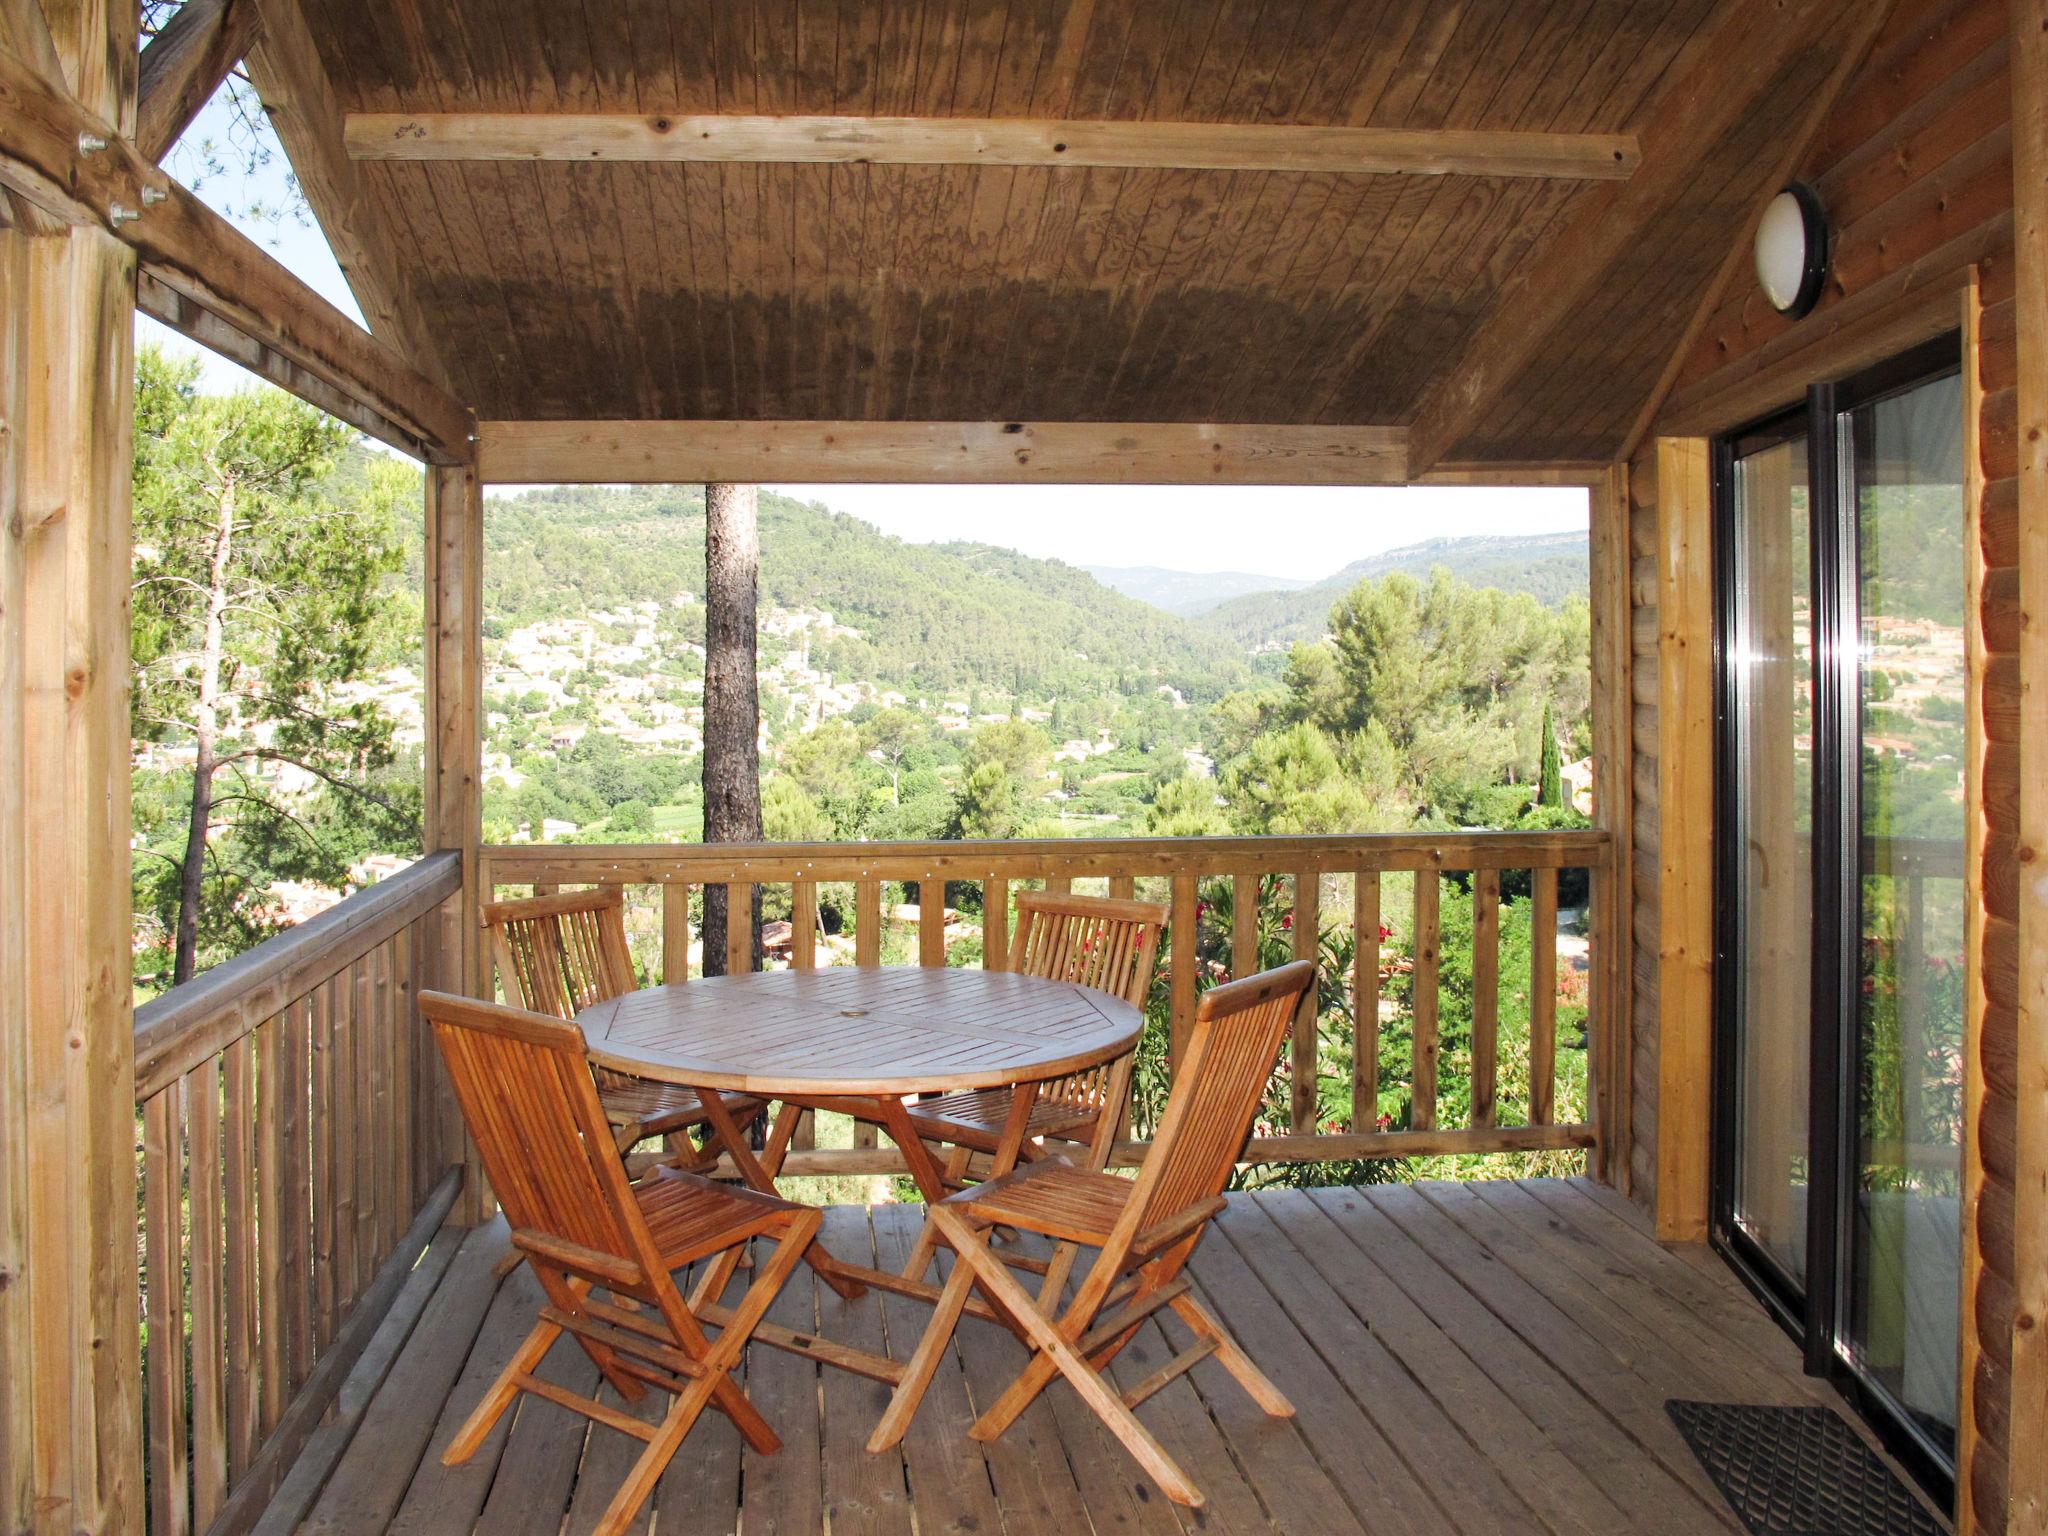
(1841, 845)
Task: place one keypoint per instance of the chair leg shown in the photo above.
(1055, 1347)
(917, 1375)
(677, 1423)
(1233, 1359)
(491, 1408)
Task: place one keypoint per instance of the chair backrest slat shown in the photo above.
(1095, 941)
(526, 1092)
(560, 954)
(1222, 1076)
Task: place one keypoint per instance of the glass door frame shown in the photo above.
(1816, 1315)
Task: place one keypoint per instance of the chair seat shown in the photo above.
(690, 1216)
(976, 1119)
(658, 1108)
(1052, 1197)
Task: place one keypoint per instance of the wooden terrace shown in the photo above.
(1479, 1360)
(1228, 243)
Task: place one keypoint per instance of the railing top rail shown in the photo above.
(180, 1029)
(656, 863)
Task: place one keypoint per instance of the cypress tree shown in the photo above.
(1550, 788)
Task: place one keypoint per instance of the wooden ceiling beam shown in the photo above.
(1558, 282)
(192, 251)
(184, 64)
(988, 141)
(285, 67)
(936, 452)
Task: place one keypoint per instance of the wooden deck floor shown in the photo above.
(1465, 1358)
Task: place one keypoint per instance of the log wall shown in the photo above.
(1915, 169)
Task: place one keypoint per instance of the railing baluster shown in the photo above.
(867, 923)
(209, 1392)
(803, 925)
(1184, 957)
(1302, 1081)
(931, 922)
(391, 1211)
(739, 928)
(1365, 1001)
(402, 1015)
(369, 1095)
(675, 933)
(347, 1115)
(296, 1224)
(1422, 1116)
(995, 924)
(1123, 887)
(1244, 925)
(273, 1331)
(238, 1288)
(1485, 996)
(162, 1173)
(326, 1309)
(1543, 998)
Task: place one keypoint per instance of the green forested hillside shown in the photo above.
(932, 618)
(1187, 593)
(1550, 567)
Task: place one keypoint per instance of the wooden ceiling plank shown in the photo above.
(1534, 94)
(1479, 63)
(1798, 144)
(184, 64)
(926, 452)
(1046, 142)
(193, 251)
(1751, 42)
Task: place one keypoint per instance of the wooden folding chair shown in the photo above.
(1145, 1228)
(559, 954)
(526, 1090)
(1099, 942)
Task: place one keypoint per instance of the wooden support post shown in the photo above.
(2027, 1475)
(1610, 1067)
(1685, 845)
(70, 1348)
(454, 778)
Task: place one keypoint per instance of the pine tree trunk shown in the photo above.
(205, 743)
(732, 704)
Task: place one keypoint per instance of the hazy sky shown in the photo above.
(1272, 531)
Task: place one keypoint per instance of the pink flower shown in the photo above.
(1386, 932)
(1287, 920)
(1385, 1122)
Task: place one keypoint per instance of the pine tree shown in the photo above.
(1550, 789)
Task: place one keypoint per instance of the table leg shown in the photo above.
(929, 1179)
(759, 1174)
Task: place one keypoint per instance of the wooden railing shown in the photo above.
(292, 1171)
(1328, 888)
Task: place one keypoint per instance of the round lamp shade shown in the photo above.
(1792, 250)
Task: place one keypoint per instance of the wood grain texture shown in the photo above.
(1013, 452)
(1685, 757)
(2027, 1424)
(726, 138)
(1210, 282)
(858, 1031)
(71, 1453)
(184, 64)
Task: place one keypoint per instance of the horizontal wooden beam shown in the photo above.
(73, 165)
(988, 141)
(937, 452)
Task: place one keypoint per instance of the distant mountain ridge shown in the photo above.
(1186, 593)
(933, 619)
(1551, 567)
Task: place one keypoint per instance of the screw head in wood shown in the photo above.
(119, 214)
(90, 143)
(151, 196)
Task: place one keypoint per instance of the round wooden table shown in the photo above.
(846, 1032)
(858, 1041)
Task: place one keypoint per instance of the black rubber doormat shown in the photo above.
(1798, 1472)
